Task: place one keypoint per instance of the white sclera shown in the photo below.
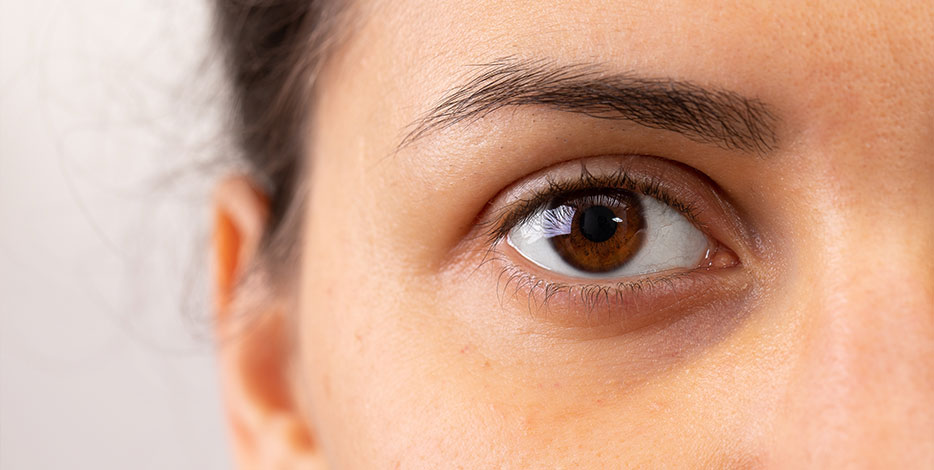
(671, 242)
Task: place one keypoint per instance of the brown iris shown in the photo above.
(597, 231)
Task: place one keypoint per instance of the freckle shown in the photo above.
(486, 364)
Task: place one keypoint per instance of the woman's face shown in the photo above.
(604, 233)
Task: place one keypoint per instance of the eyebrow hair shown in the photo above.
(712, 116)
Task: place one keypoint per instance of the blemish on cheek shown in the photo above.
(358, 341)
(466, 349)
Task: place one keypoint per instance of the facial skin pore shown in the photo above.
(401, 347)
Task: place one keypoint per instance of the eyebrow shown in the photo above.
(711, 116)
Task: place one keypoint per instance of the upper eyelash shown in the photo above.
(522, 210)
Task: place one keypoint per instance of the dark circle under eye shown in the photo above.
(604, 232)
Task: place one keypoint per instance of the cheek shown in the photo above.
(380, 388)
(381, 384)
(394, 379)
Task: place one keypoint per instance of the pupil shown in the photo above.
(597, 224)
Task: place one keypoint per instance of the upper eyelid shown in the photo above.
(522, 210)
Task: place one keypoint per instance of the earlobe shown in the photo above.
(268, 428)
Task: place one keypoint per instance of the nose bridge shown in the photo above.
(859, 390)
(862, 389)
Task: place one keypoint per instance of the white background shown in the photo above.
(108, 115)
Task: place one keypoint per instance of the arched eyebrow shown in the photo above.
(712, 116)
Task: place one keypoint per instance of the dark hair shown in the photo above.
(274, 51)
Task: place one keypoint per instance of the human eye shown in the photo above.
(633, 234)
(608, 232)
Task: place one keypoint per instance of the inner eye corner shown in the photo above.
(721, 257)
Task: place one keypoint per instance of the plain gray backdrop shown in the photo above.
(108, 110)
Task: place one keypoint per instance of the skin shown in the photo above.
(395, 346)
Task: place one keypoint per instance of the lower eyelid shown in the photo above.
(624, 306)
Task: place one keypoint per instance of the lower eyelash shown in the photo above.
(513, 281)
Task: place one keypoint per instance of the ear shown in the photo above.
(268, 427)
